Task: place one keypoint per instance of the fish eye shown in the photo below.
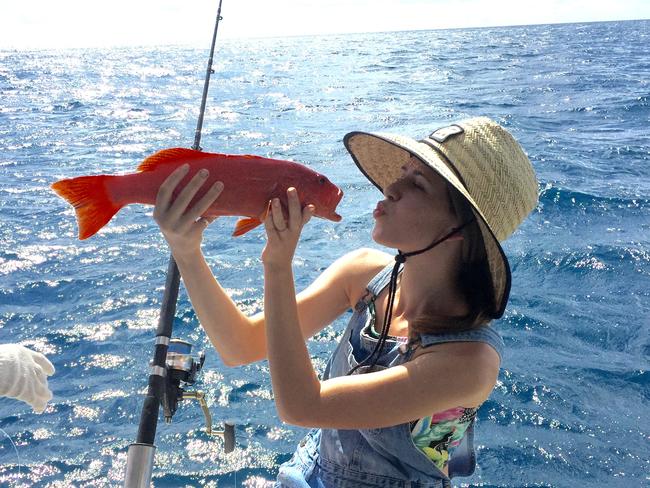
(321, 180)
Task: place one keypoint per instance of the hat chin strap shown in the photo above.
(401, 256)
(392, 289)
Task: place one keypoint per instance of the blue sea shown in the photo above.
(571, 405)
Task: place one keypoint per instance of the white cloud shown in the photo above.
(77, 23)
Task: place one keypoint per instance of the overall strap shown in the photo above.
(485, 334)
(380, 281)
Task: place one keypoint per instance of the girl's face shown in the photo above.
(416, 211)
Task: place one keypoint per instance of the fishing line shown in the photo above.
(15, 449)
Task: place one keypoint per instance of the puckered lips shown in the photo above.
(379, 210)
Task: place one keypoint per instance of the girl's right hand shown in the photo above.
(181, 226)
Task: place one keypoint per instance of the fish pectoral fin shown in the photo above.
(244, 225)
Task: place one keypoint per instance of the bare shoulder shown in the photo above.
(474, 363)
(338, 288)
(361, 266)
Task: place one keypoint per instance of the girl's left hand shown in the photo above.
(282, 234)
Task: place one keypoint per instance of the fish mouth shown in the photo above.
(337, 199)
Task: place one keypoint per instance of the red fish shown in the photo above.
(249, 183)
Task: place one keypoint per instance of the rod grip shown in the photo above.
(148, 421)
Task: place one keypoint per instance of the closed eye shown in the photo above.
(414, 175)
(412, 180)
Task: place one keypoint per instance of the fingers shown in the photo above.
(297, 216)
(166, 190)
(43, 362)
(283, 234)
(39, 406)
(308, 213)
(35, 390)
(173, 215)
(277, 216)
(43, 395)
(203, 205)
(179, 206)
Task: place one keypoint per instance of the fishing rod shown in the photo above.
(173, 366)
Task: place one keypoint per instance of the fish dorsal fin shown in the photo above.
(176, 154)
(173, 155)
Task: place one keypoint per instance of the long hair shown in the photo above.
(474, 279)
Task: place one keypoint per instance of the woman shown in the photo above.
(418, 357)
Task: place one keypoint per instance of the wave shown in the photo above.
(67, 106)
(553, 197)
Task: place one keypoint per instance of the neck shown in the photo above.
(431, 274)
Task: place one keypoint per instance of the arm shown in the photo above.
(451, 375)
(240, 339)
(433, 382)
(235, 336)
(183, 229)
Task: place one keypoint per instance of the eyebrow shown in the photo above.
(416, 172)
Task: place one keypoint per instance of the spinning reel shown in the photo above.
(182, 369)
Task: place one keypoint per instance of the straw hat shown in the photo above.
(481, 160)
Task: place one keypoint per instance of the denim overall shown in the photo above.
(383, 457)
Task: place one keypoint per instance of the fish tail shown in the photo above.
(91, 200)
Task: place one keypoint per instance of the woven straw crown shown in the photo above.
(481, 160)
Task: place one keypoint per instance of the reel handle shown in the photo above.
(228, 432)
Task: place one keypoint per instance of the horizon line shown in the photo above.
(329, 34)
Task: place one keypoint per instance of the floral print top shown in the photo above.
(436, 435)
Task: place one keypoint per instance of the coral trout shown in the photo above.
(249, 183)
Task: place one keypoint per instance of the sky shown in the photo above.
(28, 24)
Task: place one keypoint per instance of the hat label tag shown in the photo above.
(442, 134)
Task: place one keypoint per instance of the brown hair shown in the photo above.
(474, 279)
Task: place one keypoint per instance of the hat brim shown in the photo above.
(380, 158)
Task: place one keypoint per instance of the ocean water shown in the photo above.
(570, 407)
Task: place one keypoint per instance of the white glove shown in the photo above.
(23, 375)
